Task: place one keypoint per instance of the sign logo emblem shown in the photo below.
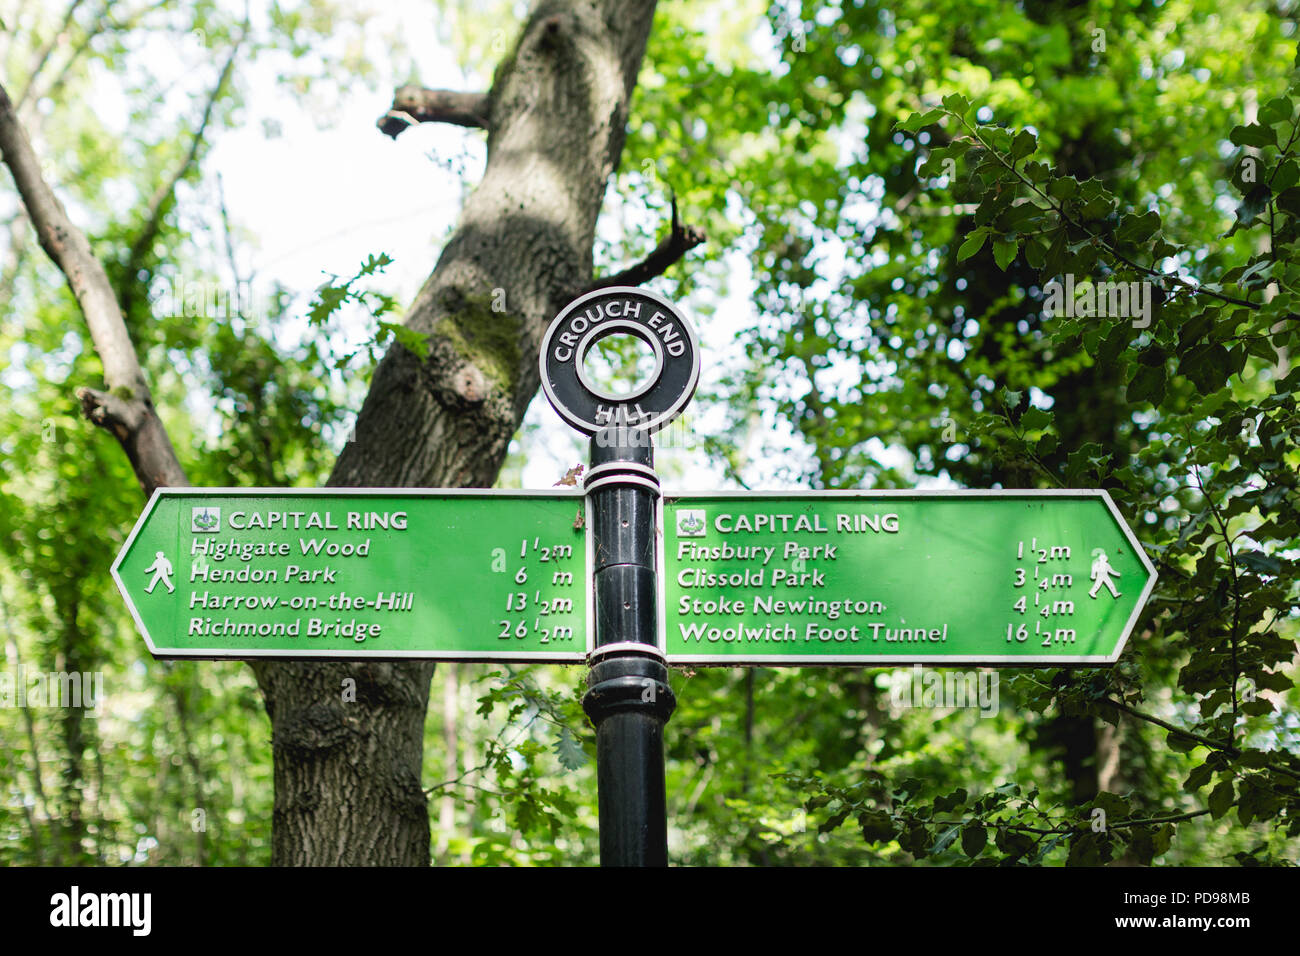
(205, 520)
(691, 523)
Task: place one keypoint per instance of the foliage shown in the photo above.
(930, 322)
(899, 183)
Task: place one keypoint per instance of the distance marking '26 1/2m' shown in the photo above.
(347, 573)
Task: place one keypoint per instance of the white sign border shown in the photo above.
(841, 660)
(526, 657)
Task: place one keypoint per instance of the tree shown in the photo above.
(904, 179)
(991, 189)
(348, 787)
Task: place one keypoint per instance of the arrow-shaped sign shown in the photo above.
(342, 573)
(907, 577)
(867, 578)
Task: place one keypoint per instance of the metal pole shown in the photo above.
(628, 698)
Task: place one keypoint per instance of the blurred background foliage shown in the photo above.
(870, 195)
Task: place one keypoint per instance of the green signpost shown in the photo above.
(629, 580)
(871, 578)
(345, 573)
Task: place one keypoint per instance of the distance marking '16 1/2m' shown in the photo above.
(982, 577)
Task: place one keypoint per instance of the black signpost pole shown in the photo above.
(628, 698)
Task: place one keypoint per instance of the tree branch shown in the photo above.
(103, 25)
(127, 408)
(413, 105)
(1059, 208)
(43, 55)
(679, 241)
(1226, 746)
(166, 191)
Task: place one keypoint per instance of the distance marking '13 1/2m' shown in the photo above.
(348, 573)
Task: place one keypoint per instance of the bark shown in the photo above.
(347, 771)
(413, 105)
(347, 775)
(127, 408)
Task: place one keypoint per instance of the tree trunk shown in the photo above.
(348, 775)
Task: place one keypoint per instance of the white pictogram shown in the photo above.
(1101, 574)
(161, 569)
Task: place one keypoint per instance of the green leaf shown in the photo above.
(945, 840)
(1063, 188)
(1036, 252)
(1289, 201)
(569, 750)
(1286, 175)
(973, 839)
(835, 819)
(1004, 252)
(1253, 134)
(956, 103)
(1220, 801)
(920, 120)
(937, 162)
(1276, 110)
(876, 825)
(1148, 384)
(1250, 208)
(946, 804)
(1035, 419)
(999, 140)
(1134, 228)
(1259, 562)
(1023, 145)
(1204, 366)
(1036, 172)
(1054, 262)
(974, 242)
(1198, 778)
(1086, 849)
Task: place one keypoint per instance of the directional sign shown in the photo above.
(345, 573)
(977, 577)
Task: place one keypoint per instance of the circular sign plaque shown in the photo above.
(658, 399)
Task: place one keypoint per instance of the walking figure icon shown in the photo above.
(162, 571)
(1101, 574)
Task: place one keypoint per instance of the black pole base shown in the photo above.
(629, 701)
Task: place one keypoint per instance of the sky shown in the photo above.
(312, 189)
(319, 200)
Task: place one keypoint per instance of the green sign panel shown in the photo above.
(979, 577)
(346, 573)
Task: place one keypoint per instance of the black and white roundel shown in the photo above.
(658, 399)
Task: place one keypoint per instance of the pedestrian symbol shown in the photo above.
(1101, 574)
(162, 571)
